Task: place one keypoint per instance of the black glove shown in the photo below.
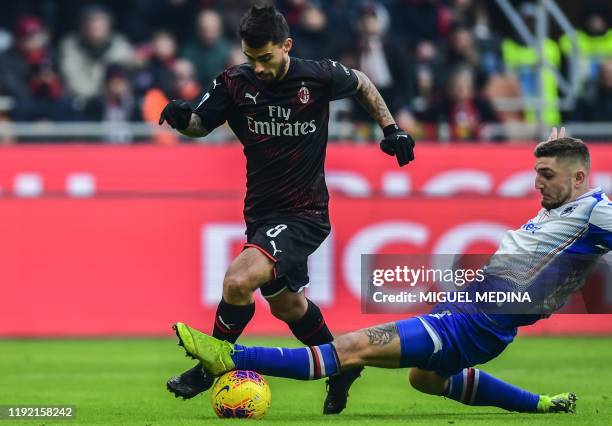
(398, 143)
(177, 114)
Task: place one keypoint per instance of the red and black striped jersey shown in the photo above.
(283, 129)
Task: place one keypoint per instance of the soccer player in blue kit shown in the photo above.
(278, 107)
(442, 348)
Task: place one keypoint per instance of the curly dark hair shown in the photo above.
(263, 24)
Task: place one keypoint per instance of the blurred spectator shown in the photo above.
(85, 56)
(141, 19)
(474, 16)
(313, 39)
(232, 11)
(186, 85)
(292, 10)
(235, 57)
(116, 108)
(157, 70)
(338, 19)
(417, 20)
(503, 90)
(209, 53)
(462, 50)
(465, 12)
(137, 20)
(378, 57)
(522, 61)
(596, 105)
(27, 73)
(428, 75)
(407, 47)
(117, 103)
(461, 114)
(6, 40)
(183, 86)
(594, 41)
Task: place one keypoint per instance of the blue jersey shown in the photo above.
(550, 257)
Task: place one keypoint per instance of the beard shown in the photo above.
(278, 74)
(281, 69)
(557, 202)
(551, 205)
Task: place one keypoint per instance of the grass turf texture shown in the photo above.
(123, 382)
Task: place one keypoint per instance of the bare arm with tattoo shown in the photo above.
(396, 142)
(179, 115)
(372, 101)
(195, 128)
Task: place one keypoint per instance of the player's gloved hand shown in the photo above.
(177, 113)
(398, 143)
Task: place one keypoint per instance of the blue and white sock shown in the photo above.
(308, 363)
(475, 387)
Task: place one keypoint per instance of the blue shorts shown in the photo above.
(447, 342)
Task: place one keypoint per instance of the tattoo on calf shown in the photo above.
(382, 335)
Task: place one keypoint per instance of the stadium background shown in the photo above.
(112, 226)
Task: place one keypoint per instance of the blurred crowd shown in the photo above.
(446, 68)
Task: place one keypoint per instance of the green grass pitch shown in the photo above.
(122, 382)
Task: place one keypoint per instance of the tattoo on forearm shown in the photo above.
(381, 335)
(370, 98)
(195, 128)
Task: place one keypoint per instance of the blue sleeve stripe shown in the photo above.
(601, 235)
(591, 242)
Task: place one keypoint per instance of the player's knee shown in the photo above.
(426, 381)
(417, 379)
(237, 288)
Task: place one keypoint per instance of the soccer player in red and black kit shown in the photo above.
(278, 107)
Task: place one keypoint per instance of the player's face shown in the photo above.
(269, 61)
(555, 181)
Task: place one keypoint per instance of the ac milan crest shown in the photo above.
(304, 95)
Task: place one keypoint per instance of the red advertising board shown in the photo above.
(150, 245)
(355, 170)
(101, 267)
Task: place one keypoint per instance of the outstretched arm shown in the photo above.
(179, 116)
(369, 96)
(195, 129)
(396, 142)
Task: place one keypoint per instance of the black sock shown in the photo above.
(311, 329)
(230, 320)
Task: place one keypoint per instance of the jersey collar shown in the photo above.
(591, 192)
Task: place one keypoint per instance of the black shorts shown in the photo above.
(287, 242)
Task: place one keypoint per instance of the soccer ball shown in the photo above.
(241, 394)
